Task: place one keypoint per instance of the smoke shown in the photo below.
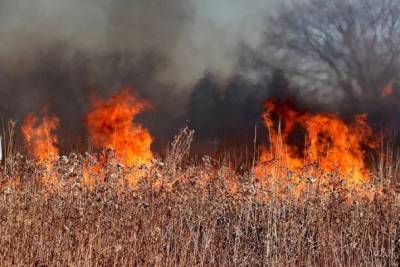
(192, 35)
(57, 53)
(196, 61)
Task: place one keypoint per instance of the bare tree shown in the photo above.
(348, 44)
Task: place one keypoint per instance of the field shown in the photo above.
(331, 200)
(200, 133)
(184, 213)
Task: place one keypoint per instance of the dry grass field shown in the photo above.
(286, 115)
(180, 213)
(121, 205)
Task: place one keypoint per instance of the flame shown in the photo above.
(40, 136)
(110, 124)
(91, 175)
(42, 144)
(332, 153)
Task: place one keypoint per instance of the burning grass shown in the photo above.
(192, 217)
(184, 213)
(122, 205)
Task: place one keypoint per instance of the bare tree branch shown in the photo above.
(353, 43)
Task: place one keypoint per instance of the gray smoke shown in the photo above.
(193, 35)
(56, 53)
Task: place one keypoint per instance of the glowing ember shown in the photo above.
(332, 150)
(40, 137)
(110, 124)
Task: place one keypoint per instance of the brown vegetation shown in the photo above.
(184, 214)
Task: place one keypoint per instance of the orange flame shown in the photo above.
(331, 146)
(42, 144)
(110, 124)
(90, 175)
(40, 137)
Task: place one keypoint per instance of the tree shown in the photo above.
(349, 44)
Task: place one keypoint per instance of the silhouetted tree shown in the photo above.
(349, 44)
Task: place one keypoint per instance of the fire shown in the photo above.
(332, 150)
(110, 124)
(42, 144)
(40, 136)
(91, 174)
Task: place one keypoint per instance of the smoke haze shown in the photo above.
(56, 53)
(192, 35)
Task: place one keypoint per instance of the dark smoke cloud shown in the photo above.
(227, 112)
(57, 53)
(64, 79)
(193, 35)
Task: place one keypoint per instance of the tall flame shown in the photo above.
(331, 146)
(111, 124)
(40, 136)
(42, 143)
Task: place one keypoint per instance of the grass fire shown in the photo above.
(332, 151)
(272, 141)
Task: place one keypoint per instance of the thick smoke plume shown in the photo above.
(58, 53)
(199, 62)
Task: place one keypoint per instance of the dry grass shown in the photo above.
(185, 216)
(189, 223)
